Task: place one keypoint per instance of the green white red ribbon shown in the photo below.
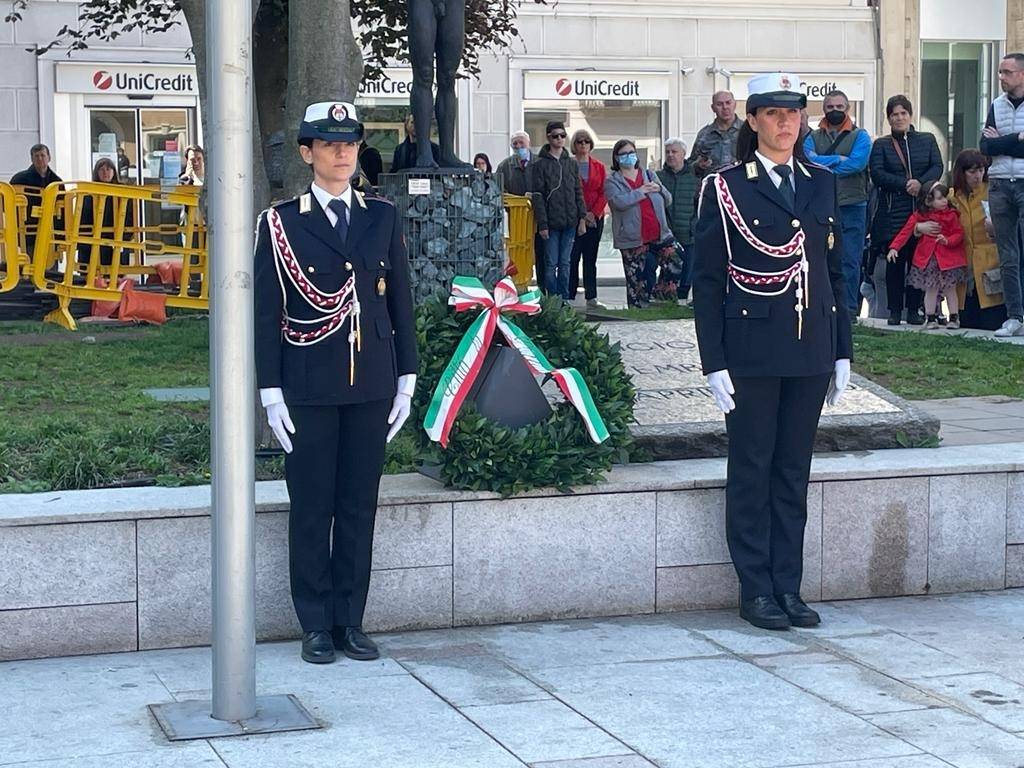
(463, 368)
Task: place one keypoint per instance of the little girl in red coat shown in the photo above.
(939, 263)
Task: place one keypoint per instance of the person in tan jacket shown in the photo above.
(981, 299)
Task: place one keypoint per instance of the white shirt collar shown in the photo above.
(769, 166)
(324, 197)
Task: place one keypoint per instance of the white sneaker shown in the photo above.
(1012, 327)
(595, 304)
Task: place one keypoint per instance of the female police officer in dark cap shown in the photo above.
(774, 339)
(336, 367)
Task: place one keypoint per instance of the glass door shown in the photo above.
(148, 147)
(113, 134)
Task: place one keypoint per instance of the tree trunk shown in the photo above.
(327, 65)
(195, 16)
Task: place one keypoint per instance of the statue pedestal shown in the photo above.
(453, 222)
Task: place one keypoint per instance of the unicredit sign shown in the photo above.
(596, 85)
(144, 82)
(127, 79)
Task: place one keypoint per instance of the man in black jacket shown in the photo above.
(405, 153)
(558, 207)
(38, 175)
(900, 164)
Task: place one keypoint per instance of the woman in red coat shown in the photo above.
(592, 174)
(939, 263)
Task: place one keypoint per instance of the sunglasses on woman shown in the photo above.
(584, 141)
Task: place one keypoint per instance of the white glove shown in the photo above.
(402, 403)
(277, 416)
(722, 390)
(840, 380)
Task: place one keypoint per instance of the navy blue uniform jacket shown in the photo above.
(756, 335)
(319, 374)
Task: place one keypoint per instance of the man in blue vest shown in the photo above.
(1003, 141)
(844, 149)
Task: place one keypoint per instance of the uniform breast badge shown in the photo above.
(382, 286)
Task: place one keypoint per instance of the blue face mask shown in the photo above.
(523, 152)
(628, 160)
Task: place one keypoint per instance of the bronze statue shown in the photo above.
(436, 28)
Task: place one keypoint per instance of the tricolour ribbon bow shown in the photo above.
(463, 368)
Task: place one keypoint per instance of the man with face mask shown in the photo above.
(843, 148)
(516, 179)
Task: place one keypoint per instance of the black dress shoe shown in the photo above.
(356, 645)
(317, 647)
(914, 318)
(764, 612)
(894, 318)
(799, 614)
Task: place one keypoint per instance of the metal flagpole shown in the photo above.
(229, 186)
(232, 383)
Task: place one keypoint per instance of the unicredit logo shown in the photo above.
(143, 82)
(597, 87)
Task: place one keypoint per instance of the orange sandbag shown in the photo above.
(167, 273)
(142, 307)
(107, 309)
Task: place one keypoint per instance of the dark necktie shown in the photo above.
(341, 211)
(786, 187)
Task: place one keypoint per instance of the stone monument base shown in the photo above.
(676, 417)
(453, 222)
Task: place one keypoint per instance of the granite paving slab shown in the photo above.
(193, 755)
(593, 642)
(536, 731)
(847, 684)
(676, 416)
(991, 697)
(655, 710)
(391, 721)
(959, 739)
(475, 680)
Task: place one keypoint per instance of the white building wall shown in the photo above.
(27, 81)
(825, 37)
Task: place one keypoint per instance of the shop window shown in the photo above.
(956, 90)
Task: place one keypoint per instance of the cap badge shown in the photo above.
(339, 113)
(784, 81)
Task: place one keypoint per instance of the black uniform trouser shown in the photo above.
(538, 259)
(333, 474)
(771, 438)
(585, 248)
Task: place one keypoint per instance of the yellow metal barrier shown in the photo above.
(519, 242)
(89, 230)
(11, 261)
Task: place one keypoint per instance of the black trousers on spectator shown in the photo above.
(538, 260)
(333, 474)
(897, 291)
(771, 438)
(585, 249)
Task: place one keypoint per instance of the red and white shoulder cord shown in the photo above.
(335, 307)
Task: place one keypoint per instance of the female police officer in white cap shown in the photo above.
(336, 367)
(774, 340)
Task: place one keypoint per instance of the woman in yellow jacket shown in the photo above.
(981, 298)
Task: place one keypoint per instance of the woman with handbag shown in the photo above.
(981, 297)
(640, 228)
(900, 164)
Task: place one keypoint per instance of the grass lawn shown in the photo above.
(657, 311)
(76, 416)
(921, 366)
